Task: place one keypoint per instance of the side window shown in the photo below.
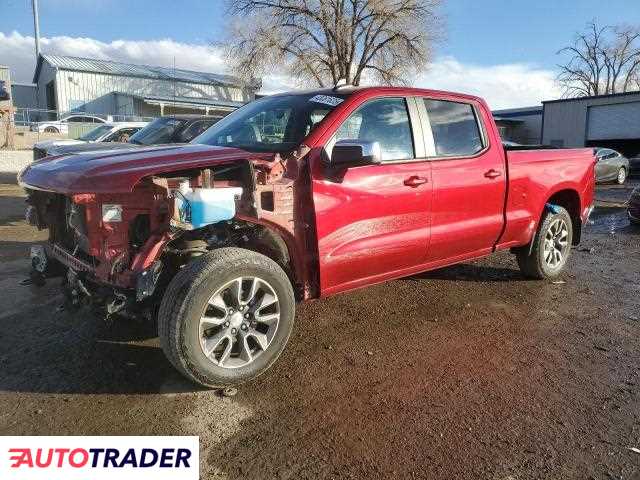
(195, 129)
(455, 128)
(385, 121)
(121, 135)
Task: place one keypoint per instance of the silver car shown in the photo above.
(611, 166)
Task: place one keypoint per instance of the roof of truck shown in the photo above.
(381, 90)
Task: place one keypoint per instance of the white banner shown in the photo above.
(98, 458)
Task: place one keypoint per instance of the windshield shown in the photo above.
(161, 130)
(271, 124)
(96, 133)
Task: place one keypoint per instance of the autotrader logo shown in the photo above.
(70, 458)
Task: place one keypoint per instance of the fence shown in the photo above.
(22, 127)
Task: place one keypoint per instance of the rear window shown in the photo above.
(456, 132)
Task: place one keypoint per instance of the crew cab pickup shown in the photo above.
(294, 197)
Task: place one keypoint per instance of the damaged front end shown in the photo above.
(118, 251)
(102, 244)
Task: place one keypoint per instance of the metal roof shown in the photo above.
(109, 67)
(210, 102)
(518, 112)
(586, 99)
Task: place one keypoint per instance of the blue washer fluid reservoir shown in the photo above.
(211, 205)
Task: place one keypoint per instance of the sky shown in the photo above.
(502, 50)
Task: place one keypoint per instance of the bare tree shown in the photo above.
(325, 41)
(602, 60)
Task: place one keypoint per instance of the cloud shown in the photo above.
(17, 51)
(503, 86)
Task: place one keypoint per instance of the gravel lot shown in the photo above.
(467, 372)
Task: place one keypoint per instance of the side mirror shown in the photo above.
(353, 153)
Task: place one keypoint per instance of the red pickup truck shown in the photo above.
(294, 197)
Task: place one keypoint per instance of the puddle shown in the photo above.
(608, 221)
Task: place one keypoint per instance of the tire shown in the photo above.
(535, 265)
(51, 130)
(202, 287)
(622, 176)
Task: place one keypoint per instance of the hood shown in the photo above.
(48, 144)
(119, 171)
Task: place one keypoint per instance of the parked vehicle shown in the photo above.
(611, 166)
(4, 91)
(634, 166)
(349, 187)
(173, 129)
(633, 208)
(62, 125)
(107, 132)
(163, 130)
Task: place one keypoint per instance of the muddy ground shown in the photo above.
(467, 372)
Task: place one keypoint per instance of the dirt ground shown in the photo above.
(467, 372)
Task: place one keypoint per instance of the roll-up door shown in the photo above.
(619, 121)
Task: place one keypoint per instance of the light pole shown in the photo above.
(36, 26)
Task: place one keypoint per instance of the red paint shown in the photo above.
(371, 224)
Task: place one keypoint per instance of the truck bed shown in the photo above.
(537, 174)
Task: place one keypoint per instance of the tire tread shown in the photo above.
(185, 285)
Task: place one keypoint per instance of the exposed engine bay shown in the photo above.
(118, 252)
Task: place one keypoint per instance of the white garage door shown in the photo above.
(607, 122)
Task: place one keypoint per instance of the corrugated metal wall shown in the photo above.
(92, 92)
(620, 121)
(24, 96)
(565, 123)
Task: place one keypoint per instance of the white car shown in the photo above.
(106, 132)
(62, 125)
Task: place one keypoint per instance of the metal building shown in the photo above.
(520, 125)
(24, 95)
(66, 84)
(611, 121)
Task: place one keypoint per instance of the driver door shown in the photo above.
(372, 221)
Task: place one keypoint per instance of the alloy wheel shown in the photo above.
(556, 243)
(239, 322)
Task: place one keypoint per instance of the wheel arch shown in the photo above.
(569, 199)
(273, 242)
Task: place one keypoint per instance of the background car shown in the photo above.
(106, 132)
(633, 208)
(634, 166)
(611, 166)
(173, 129)
(62, 125)
(163, 130)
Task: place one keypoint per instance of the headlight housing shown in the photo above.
(111, 213)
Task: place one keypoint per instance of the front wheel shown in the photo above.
(622, 176)
(551, 247)
(226, 317)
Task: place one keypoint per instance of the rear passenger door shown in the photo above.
(469, 179)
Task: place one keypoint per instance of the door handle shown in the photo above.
(415, 181)
(492, 173)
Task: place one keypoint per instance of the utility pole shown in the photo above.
(36, 26)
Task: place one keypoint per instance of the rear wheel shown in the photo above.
(226, 317)
(622, 176)
(551, 247)
(51, 130)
